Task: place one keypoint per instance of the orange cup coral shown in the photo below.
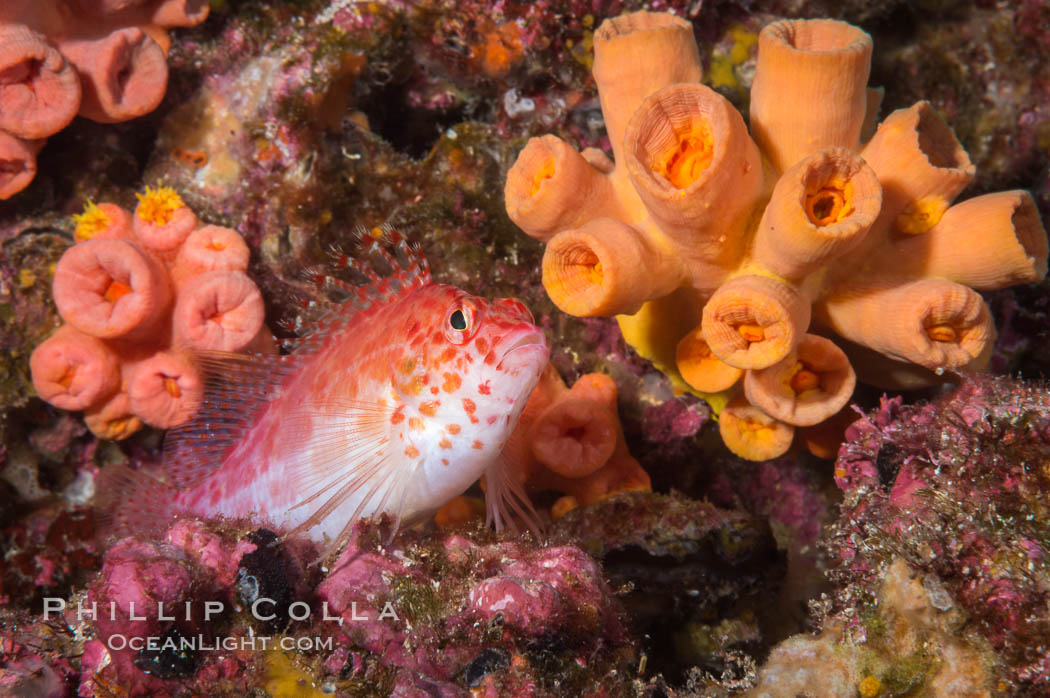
(571, 441)
(103, 59)
(729, 256)
(138, 292)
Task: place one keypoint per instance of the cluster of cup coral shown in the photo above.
(103, 59)
(570, 440)
(730, 258)
(136, 292)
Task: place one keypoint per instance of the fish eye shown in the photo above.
(461, 322)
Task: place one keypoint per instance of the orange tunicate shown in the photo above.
(718, 244)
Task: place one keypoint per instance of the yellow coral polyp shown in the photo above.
(830, 204)
(89, 223)
(685, 164)
(921, 215)
(157, 206)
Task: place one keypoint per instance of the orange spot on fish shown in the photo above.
(415, 423)
(444, 461)
(482, 344)
(453, 429)
(492, 419)
(490, 358)
(445, 443)
(429, 408)
(477, 445)
(448, 355)
(434, 390)
(412, 452)
(452, 383)
(485, 388)
(397, 417)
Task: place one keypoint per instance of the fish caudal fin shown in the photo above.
(132, 502)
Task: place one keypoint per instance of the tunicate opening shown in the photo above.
(625, 25)
(1028, 227)
(818, 35)
(676, 142)
(938, 143)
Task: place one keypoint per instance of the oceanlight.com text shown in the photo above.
(200, 643)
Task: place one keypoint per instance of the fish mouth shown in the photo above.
(533, 339)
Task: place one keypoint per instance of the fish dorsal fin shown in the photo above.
(385, 267)
(236, 386)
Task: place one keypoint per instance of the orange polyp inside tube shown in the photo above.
(752, 333)
(67, 378)
(216, 245)
(115, 291)
(804, 380)
(594, 274)
(172, 387)
(702, 369)
(687, 162)
(545, 173)
(942, 333)
(830, 204)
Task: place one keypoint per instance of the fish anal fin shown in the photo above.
(507, 505)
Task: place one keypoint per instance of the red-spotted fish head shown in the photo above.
(463, 375)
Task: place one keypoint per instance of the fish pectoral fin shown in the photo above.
(345, 455)
(236, 388)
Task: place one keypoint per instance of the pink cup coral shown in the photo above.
(103, 59)
(139, 292)
(571, 441)
(727, 257)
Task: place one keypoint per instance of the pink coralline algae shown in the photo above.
(103, 59)
(138, 292)
(447, 614)
(460, 600)
(956, 489)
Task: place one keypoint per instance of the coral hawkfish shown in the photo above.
(395, 399)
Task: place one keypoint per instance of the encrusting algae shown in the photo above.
(768, 271)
